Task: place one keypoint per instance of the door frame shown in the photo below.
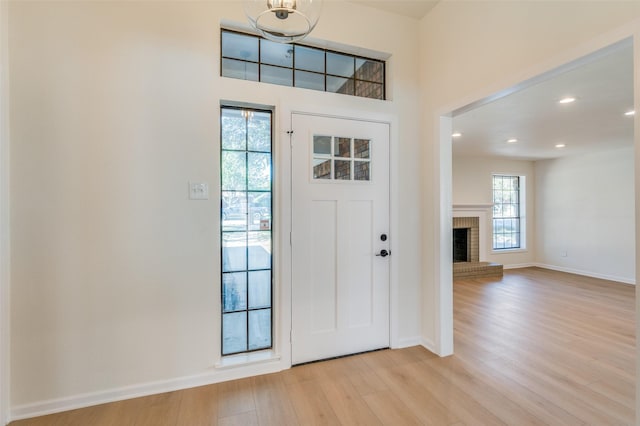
(283, 208)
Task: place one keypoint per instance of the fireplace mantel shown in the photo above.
(481, 206)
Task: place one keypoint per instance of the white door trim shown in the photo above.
(283, 197)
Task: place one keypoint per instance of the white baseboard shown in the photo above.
(429, 345)
(57, 405)
(406, 342)
(587, 273)
(519, 265)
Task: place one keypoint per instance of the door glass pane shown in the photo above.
(361, 148)
(259, 289)
(343, 170)
(234, 291)
(361, 170)
(322, 145)
(321, 168)
(342, 147)
(234, 333)
(259, 329)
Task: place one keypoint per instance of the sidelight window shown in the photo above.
(246, 222)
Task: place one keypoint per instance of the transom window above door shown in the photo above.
(249, 57)
(341, 158)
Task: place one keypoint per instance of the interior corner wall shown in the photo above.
(472, 184)
(586, 214)
(114, 109)
(472, 50)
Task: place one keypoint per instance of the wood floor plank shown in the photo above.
(199, 406)
(347, 404)
(311, 405)
(533, 347)
(421, 401)
(235, 397)
(368, 382)
(272, 402)
(390, 409)
(248, 418)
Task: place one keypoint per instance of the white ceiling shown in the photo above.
(603, 88)
(413, 9)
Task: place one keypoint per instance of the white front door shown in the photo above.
(340, 227)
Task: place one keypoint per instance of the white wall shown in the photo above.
(586, 210)
(469, 51)
(4, 216)
(114, 108)
(472, 184)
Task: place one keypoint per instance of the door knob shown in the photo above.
(383, 253)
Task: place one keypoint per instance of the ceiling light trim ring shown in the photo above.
(272, 32)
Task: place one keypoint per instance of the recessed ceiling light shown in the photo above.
(567, 100)
(630, 113)
(560, 145)
(456, 135)
(512, 140)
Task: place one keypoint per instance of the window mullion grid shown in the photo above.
(352, 158)
(246, 199)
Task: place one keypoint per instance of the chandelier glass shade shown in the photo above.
(284, 21)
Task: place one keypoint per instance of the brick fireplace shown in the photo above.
(471, 223)
(472, 240)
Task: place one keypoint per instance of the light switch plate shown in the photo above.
(198, 191)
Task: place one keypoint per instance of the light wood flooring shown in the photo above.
(535, 347)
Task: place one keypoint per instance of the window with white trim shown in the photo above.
(508, 221)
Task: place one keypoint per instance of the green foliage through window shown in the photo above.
(246, 221)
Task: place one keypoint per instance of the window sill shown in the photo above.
(509, 251)
(242, 360)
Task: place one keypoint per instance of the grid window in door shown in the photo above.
(246, 182)
(341, 158)
(506, 212)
